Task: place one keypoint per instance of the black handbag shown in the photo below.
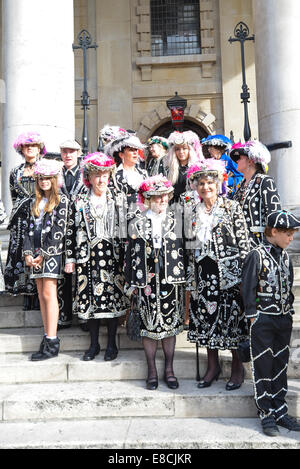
(243, 351)
(133, 325)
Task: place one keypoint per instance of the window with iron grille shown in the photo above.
(175, 27)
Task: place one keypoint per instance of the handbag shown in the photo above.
(133, 325)
(243, 351)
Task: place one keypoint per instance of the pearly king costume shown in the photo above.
(45, 235)
(154, 265)
(72, 186)
(22, 188)
(216, 243)
(267, 283)
(260, 197)
(94, 244)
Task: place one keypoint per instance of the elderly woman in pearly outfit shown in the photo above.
(95, 250)
(217, 242)
(257, 193)
(154, 271)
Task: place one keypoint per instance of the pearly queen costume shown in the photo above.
(154, 266)
(16, 274)
(95, 245)
(267, 294)
(45, 235)
(260, 197)
(216, 242)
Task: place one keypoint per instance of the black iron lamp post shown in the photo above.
(241, 33)
(177, 105)
(85, 42)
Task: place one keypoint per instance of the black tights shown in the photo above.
(237, 371)
(94, 326)
(150, 348)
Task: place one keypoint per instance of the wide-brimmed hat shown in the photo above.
(211, 167)
(215, 141)
(154, 185)
(254, 150)
(129, 140)
(95, 162)
(28, 138)
(159, 140)
(47, 167)
(283, 219)
(182, 138)
(109, 133)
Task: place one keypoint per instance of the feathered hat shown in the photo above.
(154, 185)
(29, 138)
(95, 162)
(254, 150)
(215, 141)
(49, 168)
(111, 132)
(159, 140)
(182, 138)
(128, 139)
(209, 168)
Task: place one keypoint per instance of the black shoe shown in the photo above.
(91, 353)
(206, 384)
(289, 422)
(171, 381)
(49, 349)
(152, 384)
(269, 426)
(231, 386)
(110, 354)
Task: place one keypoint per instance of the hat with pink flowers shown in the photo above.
(95, 162)
(154, 185)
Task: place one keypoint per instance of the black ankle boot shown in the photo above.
(49, 348)
(91, 353)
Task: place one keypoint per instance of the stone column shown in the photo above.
(39, 75)
(276, 28)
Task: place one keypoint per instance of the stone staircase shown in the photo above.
(67, 403)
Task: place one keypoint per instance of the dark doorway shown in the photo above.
(166, 129)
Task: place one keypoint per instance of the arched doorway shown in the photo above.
(167, 128)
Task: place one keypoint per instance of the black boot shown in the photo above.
(111, 352)
(94, 350)
(49, 349)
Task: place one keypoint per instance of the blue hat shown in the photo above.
(283, 219)
(215, 140)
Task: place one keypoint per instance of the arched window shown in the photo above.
(175, 27)
(166, 129)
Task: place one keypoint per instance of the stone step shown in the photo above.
(129, 365)
(110, 399)
(13, 316)
(21, 340)
(155, 434)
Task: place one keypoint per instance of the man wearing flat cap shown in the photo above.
(72, 186)
(267, 282)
